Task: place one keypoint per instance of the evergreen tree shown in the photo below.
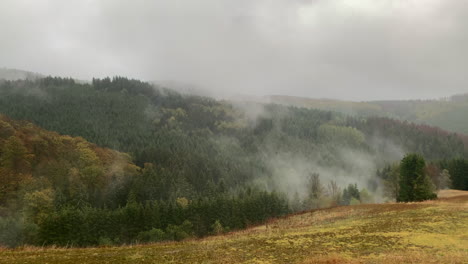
(351, 193)
(458, 169)
(414, 184)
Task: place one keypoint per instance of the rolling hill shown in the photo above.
(15, 74)
(449, 113)
(203, 166)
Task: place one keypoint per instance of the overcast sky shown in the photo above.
(344, 49)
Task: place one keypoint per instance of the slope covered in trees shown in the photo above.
(62, 190)
(204, 165)
(14, 74)
(50, 165)
(448, 113)
(195, 142)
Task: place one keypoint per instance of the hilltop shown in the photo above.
(15, 74)
(426, 232)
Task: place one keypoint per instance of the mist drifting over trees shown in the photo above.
(125, 122)
(201, 166)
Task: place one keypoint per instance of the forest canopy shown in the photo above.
(193, 165)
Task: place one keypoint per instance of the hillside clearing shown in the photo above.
(427, 232)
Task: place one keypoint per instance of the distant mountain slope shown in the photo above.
(347, 107)
(14, 74)
(449, 114)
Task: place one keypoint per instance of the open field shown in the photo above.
(427, 232)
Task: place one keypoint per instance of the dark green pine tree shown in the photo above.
(415, 185)
(458, 169)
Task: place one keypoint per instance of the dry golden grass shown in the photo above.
(450, 193)
(427, 232)
(409, 256)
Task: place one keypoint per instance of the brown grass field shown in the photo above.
(426, 232)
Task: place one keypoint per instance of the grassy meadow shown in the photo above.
(426, 232)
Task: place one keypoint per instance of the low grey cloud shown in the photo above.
(345, 49)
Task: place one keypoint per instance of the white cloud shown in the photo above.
(347, 49)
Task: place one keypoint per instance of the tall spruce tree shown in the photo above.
(415, 185)
(458, 169)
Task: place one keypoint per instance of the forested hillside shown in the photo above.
(62, 190)
(48, 165)
(14, 74)
(448, 113)
(204, 166)
(201, 142)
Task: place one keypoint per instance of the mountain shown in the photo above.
(189, 137)
(448, 113)
(202, 165)
(14, 74)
